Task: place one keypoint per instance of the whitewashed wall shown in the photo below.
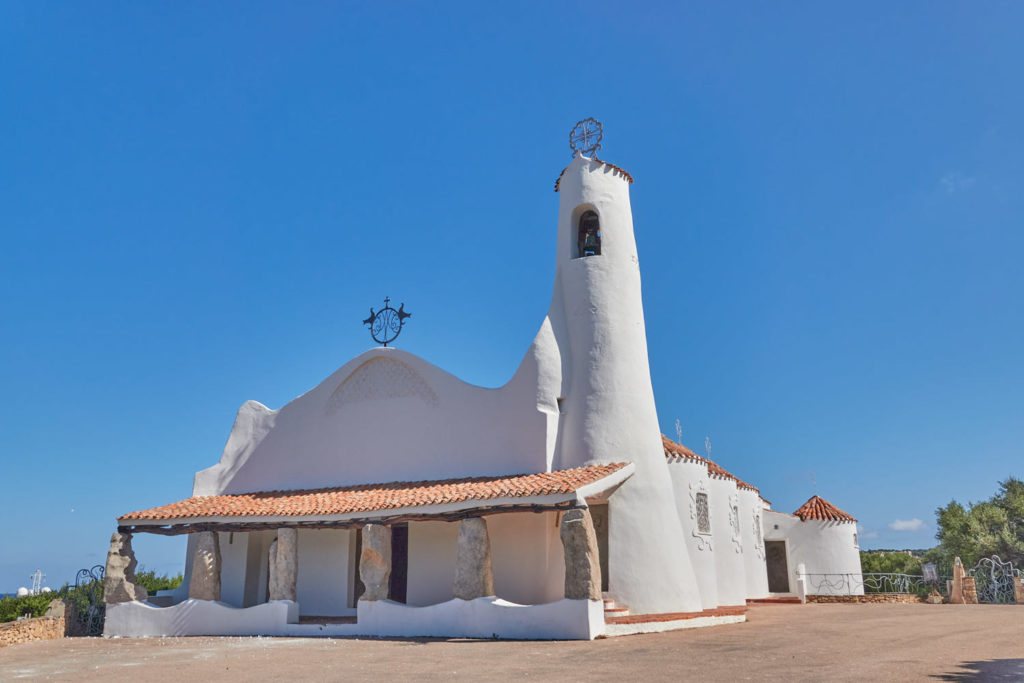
(822, 547)
(324, 584)
(526, 554)
(582, 395)
(529, 564)
(385, 416)
(432, 547)
(729, 561)
(690, 477)
(752, 528)
(609, 415)
(233, 556)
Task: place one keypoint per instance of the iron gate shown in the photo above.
(89, 608)
(993, 579)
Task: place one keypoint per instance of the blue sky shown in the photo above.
(199, 203)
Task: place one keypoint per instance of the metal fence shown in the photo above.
(870, 583)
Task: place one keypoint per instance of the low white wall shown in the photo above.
(199, 618)
(752, 531)
(480, 618)
(822, 547)
(485, 618)
(729, 565)
(673, 625)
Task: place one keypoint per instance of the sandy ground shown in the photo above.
(778, 643)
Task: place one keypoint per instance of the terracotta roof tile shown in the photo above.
(716, 470)
(740, 484)
(621, 171)
(376, 497)
(678, 450)
(822, 510)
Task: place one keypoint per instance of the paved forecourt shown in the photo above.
(779, 642)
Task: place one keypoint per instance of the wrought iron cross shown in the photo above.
(585, 137)
(387, 323)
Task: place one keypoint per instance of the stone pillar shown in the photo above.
(272, 588)
(956, 593)
(1018, 589)
(375, 561)
(582, 561)
(119, 577)
(474, 576)
(205, 581)
(284, 565)
(970, 591)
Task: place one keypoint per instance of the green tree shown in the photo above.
(991, 527)
(889, 562)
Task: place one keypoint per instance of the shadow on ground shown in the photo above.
(988, 670)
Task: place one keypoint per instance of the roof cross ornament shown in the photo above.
(585, 138)
(387, 323)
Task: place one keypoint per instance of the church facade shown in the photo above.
(393, 499)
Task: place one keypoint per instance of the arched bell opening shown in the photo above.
(588, 235)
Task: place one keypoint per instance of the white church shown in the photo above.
(394, 499)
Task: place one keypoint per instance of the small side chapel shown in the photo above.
(394, 499)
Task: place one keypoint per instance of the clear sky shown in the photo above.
(199, 202)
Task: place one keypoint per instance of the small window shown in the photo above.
(855, 543)
(588, 239)
(757, 529)
(734, 520)
(703, 514)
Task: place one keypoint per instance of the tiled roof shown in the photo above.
(740, 484)
(678, 450)
(822, 510)
(621, 171)
(716, 470)
(371, 498)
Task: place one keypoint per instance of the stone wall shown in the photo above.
(27, 630)
(870, 598)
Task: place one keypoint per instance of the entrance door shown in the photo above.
(778, 571)
(398, 583)
(599, 515)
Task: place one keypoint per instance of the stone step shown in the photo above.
(616, 612)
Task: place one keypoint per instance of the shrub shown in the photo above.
(12, 608)
(148, 579)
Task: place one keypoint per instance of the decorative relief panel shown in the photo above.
(700, 514)
(734, 522)
(758, 535)
(380, 379)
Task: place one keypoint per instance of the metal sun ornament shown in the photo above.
(387, 323)
(585, 138)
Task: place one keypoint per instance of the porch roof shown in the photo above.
(350, 506)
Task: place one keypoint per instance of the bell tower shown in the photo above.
(607, 411)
